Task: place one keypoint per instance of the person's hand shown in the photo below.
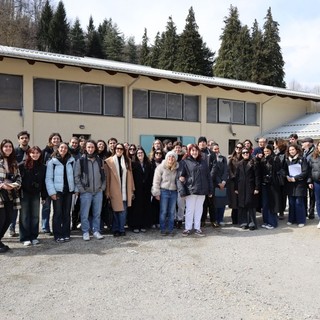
(310, 185)
(157, 197)
(256, 192)
(54, 197)
(182, 179)
(236, 192)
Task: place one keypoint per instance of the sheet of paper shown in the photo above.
(294, 170)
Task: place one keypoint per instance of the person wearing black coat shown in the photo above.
(139, 218)
(194, 183)
(270, 166)
(314, 177)
(33, 186)
(247, 186)
(296, 172)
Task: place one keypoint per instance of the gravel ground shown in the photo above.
(229, 274)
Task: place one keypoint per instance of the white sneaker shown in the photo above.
(269, 227)
(301, 225)
(35, 242)
(86, 236)
(27, 243)
(264, 225)
(98, 235)
(318, 226)
(289, 223)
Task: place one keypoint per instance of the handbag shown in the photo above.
(220, 193)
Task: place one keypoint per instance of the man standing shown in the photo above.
(258, 151)
(21, 153)
(211, 159)
(308, 148)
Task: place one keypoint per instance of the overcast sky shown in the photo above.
(299, 24)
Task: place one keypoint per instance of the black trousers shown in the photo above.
(5, 217)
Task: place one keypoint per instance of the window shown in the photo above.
(212, 110)
(113, 101)
(165, 105)
(69, 96)
(91, 98)
(11, 92)
(44, 95)
(251, 113)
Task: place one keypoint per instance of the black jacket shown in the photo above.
(314, 170)
(197, 178)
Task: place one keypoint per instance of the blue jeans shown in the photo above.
(14, 218)
(316, 188)
(268, 216)
(87, 200)
(45, 215)
(219, 214)
(297, 213)
(119, 219)
(61, 215)
(29, 217)
(168, 200)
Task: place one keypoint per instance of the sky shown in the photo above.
(299, 25)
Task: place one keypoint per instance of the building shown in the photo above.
(45, 92)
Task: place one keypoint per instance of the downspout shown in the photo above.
(261, 112)
(128, 133)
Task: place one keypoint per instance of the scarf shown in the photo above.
(122, 175)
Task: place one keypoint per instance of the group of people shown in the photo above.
(100, 184)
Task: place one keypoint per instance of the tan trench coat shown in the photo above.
(113, 189)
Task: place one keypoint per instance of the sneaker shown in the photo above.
(318, 226)
(27, 243)
(301, 225)
(98, 235)
(281, 216)
(264, 225)
(86, 236)
(143, 230)
(199, 233)
(12, 233)
(136, 230)
(171, 234)
(66, 239)
(289, 223)
(35, 242)
(269, 227)
(153, 226)
(163, 233)
(186, 233)
(222, 224)
(59, 240)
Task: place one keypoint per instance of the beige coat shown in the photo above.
(113, 189)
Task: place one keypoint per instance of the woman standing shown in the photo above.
(60, 186)
(296, 172)
(233, 163)
(194, 183)
(314, 179)
(102, 149)
(132, 152)
(139, 220)
(270, 166)
(120, 187)
(33, 173)
(247, 187)
(164, 189)
(10, 182)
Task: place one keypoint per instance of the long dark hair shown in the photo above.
(127, 161)
(146, 160)
(12, 162)
(53, 135)
(29, 164)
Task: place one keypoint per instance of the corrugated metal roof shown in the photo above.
(306, 126)
(133, 69)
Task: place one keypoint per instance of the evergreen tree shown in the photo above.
(191, 55)
(243, 65)
(273, 73)
(130, 51)
(43, 35)
(144, 56)
(257, 53)
(93, 43)
(225, 65)
(113, 42)
(168, 54)
(155, 51)
(59, 31)
(77, 42)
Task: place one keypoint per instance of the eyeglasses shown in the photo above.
(245, 152)
(158, 153)
(119, 149)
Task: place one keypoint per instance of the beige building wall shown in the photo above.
(272, 111)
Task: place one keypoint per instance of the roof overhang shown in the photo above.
(112, 67)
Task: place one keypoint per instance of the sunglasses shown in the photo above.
(246, 152)
(238, 147)
(158, 153)
(134, 149)
(119, 149)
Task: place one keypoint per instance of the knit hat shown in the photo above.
(171, 153)
(202, 139)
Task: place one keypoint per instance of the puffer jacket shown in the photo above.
(314, 174)
(55, 176)
(164, 178)
(197, 178)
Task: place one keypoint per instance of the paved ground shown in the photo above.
(229, 274)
